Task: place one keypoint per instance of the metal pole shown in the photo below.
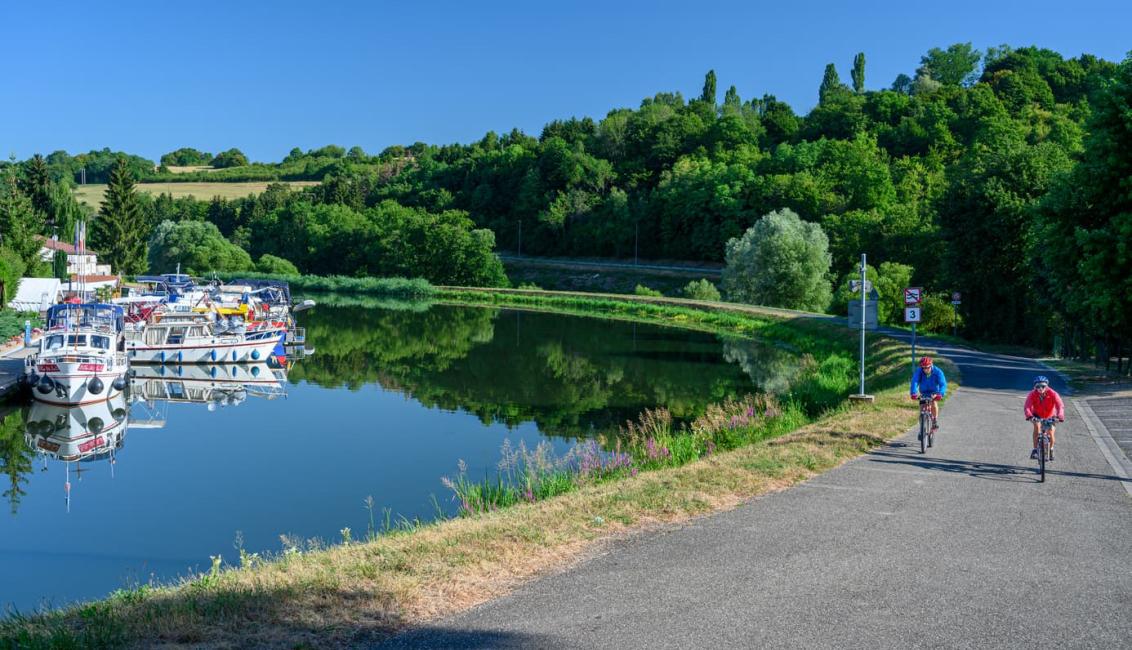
(913, 343)
(863, 295)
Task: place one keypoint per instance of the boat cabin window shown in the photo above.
(196, 331)
(155, 335)
(101, 342)
(53, 342)
(76, 339)
(176, 335)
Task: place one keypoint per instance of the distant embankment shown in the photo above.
(92, 194)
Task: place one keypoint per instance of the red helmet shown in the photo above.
(925, 362)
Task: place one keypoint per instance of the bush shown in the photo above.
(642, 290)
(701, 290)
(11, 270)
(197, 246)
(401, 287)
(269, 263)
(781, 261)
(937, 314)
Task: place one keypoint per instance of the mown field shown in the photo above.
(92, 194)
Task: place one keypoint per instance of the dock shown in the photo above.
(12, 370)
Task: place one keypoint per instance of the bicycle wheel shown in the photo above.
(1042, 460)
(924, 428)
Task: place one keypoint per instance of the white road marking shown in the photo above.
(1104, 441)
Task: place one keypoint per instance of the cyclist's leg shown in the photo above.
(1051, 430)
(1035, 437)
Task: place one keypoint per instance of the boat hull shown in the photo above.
(69, 384)
(204, 352)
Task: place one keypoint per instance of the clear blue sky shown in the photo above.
(149, 77)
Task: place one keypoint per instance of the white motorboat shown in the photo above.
(81, 358)
(199, 338)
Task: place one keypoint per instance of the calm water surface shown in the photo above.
(191, 463)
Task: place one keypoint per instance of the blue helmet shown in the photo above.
(1041, 379)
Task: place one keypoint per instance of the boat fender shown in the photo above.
(95, 386)
(46, 385)
(119, 382)
(255, 355)
(33, 378)
(94, 425)
(119, 413)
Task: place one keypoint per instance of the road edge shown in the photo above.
(1109, 449)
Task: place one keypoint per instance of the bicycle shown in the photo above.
(926, 437)
(1043, 444)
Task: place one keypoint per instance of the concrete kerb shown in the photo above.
(1109, 449)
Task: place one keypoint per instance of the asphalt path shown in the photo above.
(961, 547)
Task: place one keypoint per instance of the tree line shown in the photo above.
(1000, 175)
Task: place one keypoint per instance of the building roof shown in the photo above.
(66, 247)
(32, 291)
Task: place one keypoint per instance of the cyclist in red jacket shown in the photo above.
(1043, 402)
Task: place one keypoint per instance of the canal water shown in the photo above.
(200, 461)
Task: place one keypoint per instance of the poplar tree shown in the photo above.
(859, 73)
(709, 88)
(37, 187)
(119, 232)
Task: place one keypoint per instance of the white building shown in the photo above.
(85, 264)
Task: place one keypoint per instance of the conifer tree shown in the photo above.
(830, 83)
(120, 231)
(19, 222)
(859, 73)
(709, 88)
(37, 187)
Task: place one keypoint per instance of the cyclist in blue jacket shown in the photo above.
(929, 380)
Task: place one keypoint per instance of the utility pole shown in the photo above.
(636, 227)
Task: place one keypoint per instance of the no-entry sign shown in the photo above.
(913, 295)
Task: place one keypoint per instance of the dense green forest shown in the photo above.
(1002, 175)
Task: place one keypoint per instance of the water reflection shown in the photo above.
(214, 385)
(76, 435)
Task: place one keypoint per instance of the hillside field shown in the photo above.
(92, 194)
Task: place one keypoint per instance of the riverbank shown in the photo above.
(359, 591)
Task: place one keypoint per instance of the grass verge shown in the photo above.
(354, 593)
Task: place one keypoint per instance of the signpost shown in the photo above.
(913, 296)
(955, 300)
(866, 285)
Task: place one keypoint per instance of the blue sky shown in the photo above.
(149, 77)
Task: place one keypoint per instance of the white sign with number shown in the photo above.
(912, 314)
(912, 295)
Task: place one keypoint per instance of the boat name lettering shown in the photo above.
(90, 444)
(49, 446)
(48, 367)
(91, 367)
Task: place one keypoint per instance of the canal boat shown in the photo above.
(81, 357)
(200, 338)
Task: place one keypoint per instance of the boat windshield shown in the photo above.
(87, 315)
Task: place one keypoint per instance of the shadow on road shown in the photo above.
(440, 637)
(993, 471)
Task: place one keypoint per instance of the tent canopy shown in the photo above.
(35, 293)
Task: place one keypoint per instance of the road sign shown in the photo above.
(955, 296)
(870, 314)
(855, 285)
(913, 295)
(912, 314)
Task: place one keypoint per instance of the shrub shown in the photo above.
(642, 290)
(781, 261)
(701, 290)
(269, 263)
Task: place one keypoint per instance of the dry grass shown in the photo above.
(356, 593)
(188, 169)
(92, 194)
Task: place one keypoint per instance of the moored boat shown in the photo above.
(80, 358)
(199, 338)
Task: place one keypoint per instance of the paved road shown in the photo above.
(961, 547)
